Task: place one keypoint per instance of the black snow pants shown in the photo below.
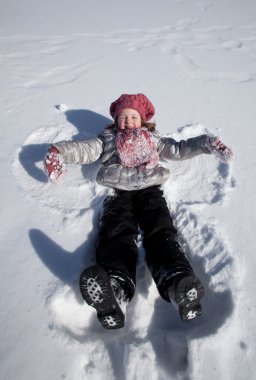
(122, 216)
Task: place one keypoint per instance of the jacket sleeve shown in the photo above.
(80, 152)
(170, 149)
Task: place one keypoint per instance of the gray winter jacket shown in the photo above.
(115, 175)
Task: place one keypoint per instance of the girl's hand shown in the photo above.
(217, 147)
(53, 163)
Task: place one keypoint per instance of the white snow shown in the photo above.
(62, 64)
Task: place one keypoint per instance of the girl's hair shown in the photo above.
(150, 126)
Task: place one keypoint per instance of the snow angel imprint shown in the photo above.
(131, 151)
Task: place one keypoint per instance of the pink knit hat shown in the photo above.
(138, 102)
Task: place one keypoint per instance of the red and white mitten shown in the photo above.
(53, 163)
(222, 151)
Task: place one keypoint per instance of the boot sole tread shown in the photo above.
(96, 290)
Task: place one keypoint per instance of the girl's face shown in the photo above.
(129, 119)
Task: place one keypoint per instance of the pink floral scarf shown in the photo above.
(136, 147)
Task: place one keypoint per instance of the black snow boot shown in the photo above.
(105, 295)
(186, 292)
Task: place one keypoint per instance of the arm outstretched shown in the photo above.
(171, 149)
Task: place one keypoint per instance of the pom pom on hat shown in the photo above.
(138, 102)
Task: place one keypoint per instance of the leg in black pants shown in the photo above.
(165, 258)
(109, 285)
(164, 255)
(117, 248)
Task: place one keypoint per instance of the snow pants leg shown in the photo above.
(117, 248)
(164, 254)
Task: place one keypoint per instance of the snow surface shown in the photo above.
(62, 64)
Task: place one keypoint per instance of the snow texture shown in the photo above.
(62, 65)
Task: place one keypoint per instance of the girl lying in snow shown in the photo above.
(130, 151)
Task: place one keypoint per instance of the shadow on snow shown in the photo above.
(88, 123)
